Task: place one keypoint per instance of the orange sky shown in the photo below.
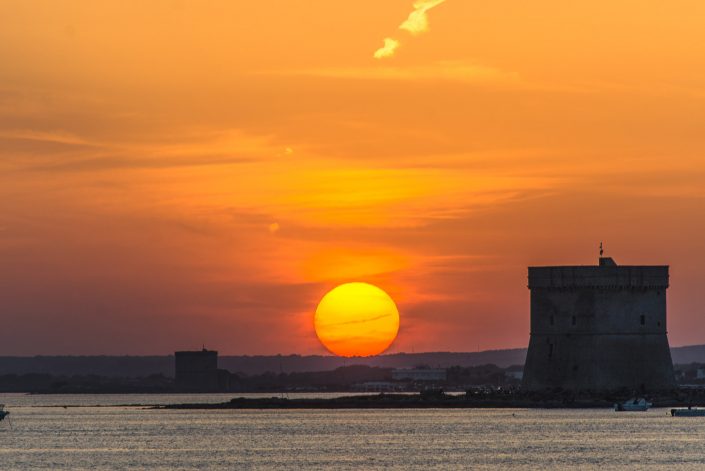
(180, 172)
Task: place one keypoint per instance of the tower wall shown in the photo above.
(598, 327)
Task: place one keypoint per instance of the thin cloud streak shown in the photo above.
(356, 321)
(442, 71)
(114, 163)
(43, 136)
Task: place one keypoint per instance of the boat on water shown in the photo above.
(3, 412)
(689, 412)
(633, 405)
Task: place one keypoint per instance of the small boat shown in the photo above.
(3, 412)
(689, 412)
(633, 405)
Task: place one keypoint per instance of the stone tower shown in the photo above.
(598, 327)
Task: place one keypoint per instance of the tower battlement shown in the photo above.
(614, 277)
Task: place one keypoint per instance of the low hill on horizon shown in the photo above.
(291, 363)
(140, 366)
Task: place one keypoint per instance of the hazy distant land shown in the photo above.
(139, 366)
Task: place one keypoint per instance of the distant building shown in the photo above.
(517, 374)
(419, 374)
(198, 371)
(376, 386)
(700, 373)
(598, 327)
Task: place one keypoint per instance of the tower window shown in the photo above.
(550, 320)
(550, 350)
(573, 320)
(643, 320)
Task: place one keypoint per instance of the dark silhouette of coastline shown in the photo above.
(345, 379)
(472, 399)
(143, 366)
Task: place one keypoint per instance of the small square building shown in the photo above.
(197, 371)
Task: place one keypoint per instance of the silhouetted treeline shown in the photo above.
(116, 366)
(346, 378)
(491, 375)
(85, 384)
(341, 379)
(324, 380)
(355, 377)
(136, 366)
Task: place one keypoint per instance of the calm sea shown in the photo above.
(107, 433)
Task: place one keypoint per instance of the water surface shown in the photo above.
(106, 434)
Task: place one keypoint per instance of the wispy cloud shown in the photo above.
(415, 24)
(109, 163)
(390, 46)
(42, 136)
(58, 151)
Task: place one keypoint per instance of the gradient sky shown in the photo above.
(175, 173)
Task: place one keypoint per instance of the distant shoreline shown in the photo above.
(423, 401)
(142, 366)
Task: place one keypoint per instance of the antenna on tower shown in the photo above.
(602, 251)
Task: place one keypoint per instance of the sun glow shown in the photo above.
(356, 319)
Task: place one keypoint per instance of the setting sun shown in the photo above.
(356, 319)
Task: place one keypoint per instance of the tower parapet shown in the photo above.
(605, 276)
